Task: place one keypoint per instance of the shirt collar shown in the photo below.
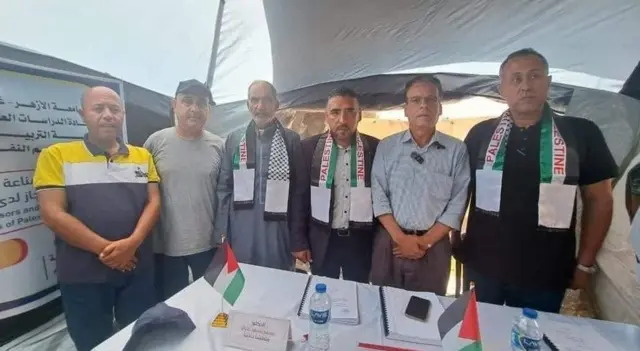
(268, 130)
(96, 150)
(407, 138)
(355, 135)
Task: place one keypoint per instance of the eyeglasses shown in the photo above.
(418, 101)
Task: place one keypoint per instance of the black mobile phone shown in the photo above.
(418, 308)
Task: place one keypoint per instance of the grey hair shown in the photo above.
(523, 53)
(272, 89)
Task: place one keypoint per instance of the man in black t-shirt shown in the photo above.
(527, 166)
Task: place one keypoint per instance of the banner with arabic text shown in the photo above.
(38, 107)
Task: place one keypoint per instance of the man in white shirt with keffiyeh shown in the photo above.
(262, 187)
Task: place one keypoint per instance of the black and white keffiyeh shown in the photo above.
(278, 178)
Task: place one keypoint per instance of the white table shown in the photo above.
(277, 294)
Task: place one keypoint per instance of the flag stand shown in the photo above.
(222, 318)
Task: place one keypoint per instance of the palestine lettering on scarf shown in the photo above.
(496, 139)
(326, 156)
(360, 157)
(559, 153)
(243, 152)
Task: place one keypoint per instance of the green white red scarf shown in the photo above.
(323, 176)
(559, 168)
(553, 149)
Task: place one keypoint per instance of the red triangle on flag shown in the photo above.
(470, 328)
(232, 263)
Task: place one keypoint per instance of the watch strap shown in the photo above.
(587, 269)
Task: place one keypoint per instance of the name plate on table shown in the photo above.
(253, 332)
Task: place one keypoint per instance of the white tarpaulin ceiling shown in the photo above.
(299, 43)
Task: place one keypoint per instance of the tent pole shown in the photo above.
(216, 43)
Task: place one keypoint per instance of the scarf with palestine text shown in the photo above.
(323, 177)
(278, 179)
(559, 167)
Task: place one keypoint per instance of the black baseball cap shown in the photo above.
(194, 87)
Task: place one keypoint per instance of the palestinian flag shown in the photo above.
(224, 274)
(458, 325)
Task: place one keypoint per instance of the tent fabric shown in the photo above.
(617, 290)
(147, 111)
(302, 43)
(632, 86)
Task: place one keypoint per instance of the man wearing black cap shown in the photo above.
(188, 157)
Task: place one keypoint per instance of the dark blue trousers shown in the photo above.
(172, 272)
(90, 309)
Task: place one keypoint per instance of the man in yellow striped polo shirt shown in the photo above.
(100, 197)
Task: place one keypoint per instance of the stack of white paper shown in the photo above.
(568, 336)
(344, 300)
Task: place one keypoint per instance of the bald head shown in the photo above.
(103, 112)
(98, 91)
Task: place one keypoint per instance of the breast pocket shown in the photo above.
(437, 185)
(421, 184)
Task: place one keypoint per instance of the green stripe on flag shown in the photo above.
(474, 346)
(236, 285)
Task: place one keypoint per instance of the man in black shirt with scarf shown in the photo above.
(527, 166)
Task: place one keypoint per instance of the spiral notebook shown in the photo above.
(344, 299)
(568, 335)
(397, 326)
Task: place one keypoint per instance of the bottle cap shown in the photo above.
(530, 313)
(321, 288)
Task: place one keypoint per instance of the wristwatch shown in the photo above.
(587, 269)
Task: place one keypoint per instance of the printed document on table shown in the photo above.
(344, 299)
(571, 336)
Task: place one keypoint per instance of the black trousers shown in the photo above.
(497, 293)
(349, 251)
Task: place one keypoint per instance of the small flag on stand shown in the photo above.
(224, 275)
(459, 326)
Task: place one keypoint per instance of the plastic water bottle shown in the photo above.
(319, 317)
(526, 334)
